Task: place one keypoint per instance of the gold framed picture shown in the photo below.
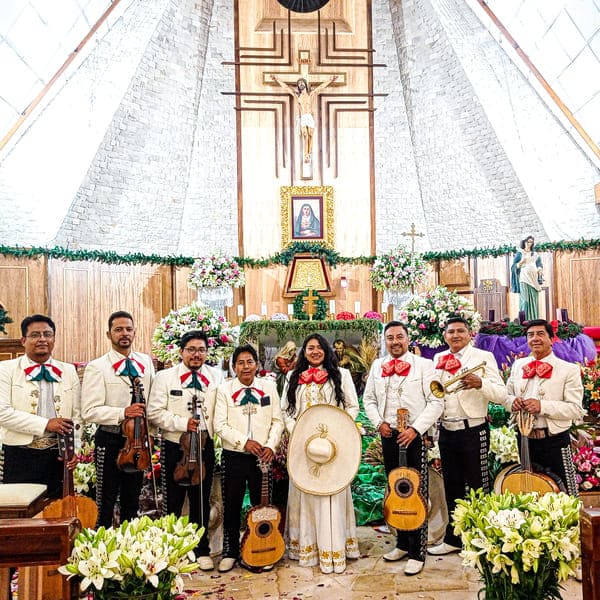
(307, 214)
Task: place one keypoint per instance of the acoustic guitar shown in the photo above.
(262, 544)
(404, 507)
(71, 505)
(523, 478)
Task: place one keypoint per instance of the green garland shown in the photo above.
(302, 315)
(566, 329)
(298, 330)
(4, 319)
(284, 257)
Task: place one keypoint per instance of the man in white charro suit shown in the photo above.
(39, 399)
(106, 400)
(175, 391)
(549, 388)
(464, 429)
(401, 380)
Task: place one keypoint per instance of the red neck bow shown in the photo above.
(449, 363)
(537, 367)
(395, 367)
(313, 375)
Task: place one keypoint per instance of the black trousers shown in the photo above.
(239, 470)
(112, 483)
(464, 455)
(413, 542)
(28, 465)
(174, 494)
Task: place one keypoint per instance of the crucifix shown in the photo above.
(412, 234)
(299, 84)
(310, 300)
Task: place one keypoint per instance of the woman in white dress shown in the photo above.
(319, 529)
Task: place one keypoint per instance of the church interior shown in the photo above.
(139, 135)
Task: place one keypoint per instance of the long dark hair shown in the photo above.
(329, 364)
(529, 237)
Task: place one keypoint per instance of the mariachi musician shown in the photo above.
(182, 400)
(107, 395)
(549, 388)
(402, 380)
(464, 429)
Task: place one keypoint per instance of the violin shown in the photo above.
(136, 454)
(190, 469)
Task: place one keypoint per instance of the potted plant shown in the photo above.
(523, 545)
(141, 559)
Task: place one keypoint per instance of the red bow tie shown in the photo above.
(537, 367)
(395, 367)
(449, 363)
(313, 375)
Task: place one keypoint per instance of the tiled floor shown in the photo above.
(368, 578)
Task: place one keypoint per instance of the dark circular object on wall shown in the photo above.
(303, 6)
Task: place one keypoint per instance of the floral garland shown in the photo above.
(522, 549)
(320, 307)
(564, 329)
(165, 340)
(398, 270)
(426, 315)
(216, 270)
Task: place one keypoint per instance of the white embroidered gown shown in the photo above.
(321, 529)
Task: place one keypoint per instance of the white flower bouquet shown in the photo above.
(425, 315)
(216, 270)
(165, 340)
(398, 270)
(503, 444)
(140, 557)
(523, 545)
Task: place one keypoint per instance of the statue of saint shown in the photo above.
(305, 98)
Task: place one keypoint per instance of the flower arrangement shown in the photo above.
(139, 557)
(426, 314)
(84, 474)
(503, 444)
(373, 314)
(344, 315)
(398, 270)
(590, 377)
(587, 468)
(165, 340)
(216, 270)
(522, 544)
(564, 330)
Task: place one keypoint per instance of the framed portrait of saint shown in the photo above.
(307, 214)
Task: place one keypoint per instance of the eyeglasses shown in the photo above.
(195, 350)
(36, 335)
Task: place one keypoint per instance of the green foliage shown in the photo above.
(4, 319)
(512, 329)
(320, 307)
(298, 330)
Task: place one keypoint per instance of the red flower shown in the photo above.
(344, 316)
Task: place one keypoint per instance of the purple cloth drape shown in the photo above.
(577, 349)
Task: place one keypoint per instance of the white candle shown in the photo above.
(263, 309)
(240, 310)
(384, 308)
(357, 307)
(558, 315)
(290, 309)
(332, 306)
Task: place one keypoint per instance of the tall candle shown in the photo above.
(357, 307)
(332, 307)
(384, 308)
(290, 309)
(263, 309)
(240, 310)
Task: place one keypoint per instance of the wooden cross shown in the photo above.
(303, 72)
(412, 234)
(310, 300)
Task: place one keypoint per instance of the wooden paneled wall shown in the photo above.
(80, 296)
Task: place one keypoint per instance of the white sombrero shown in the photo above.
(324, 450)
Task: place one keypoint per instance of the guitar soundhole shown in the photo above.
(404, 488)
(264, 529)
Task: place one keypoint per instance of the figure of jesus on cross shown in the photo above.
(305, 99)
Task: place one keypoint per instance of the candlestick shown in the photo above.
(357, 307)
(240, 310)
(332, 307)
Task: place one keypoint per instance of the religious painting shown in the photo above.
(307, 214)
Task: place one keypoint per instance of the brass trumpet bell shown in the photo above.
(439, 389)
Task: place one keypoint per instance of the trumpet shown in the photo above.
(439, 389)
